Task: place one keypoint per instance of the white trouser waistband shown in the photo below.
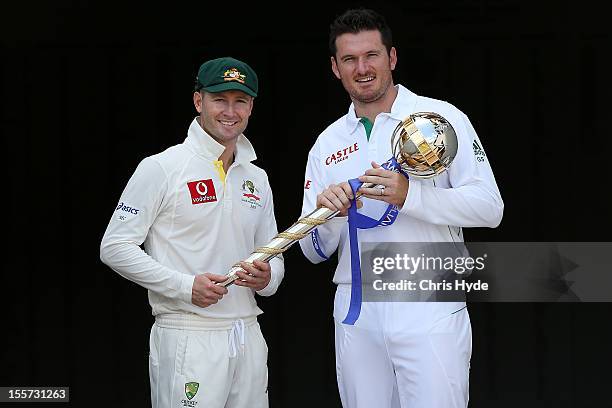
(195, 322)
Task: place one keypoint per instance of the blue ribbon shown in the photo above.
(316, 243)
(359, 221)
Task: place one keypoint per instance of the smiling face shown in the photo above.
(223, 115)
(363, 65)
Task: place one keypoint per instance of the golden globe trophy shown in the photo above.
(424, 145)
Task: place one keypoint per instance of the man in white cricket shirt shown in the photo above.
(396, 354)
(199, 207)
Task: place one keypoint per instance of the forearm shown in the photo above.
(131, 262)
(323, 241)
(471, 205)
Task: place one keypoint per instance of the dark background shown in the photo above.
(87, 91)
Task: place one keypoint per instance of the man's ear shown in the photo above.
(334, 67)
(392, 58)
(197, 101)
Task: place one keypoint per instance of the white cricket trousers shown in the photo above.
(207, 363)
(403, 354)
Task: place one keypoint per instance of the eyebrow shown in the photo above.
(375, 50)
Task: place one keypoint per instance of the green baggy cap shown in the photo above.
(224, 74)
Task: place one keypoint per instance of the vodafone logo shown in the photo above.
(201, 188)
(202, 191)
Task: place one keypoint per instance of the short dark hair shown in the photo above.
(357, 20)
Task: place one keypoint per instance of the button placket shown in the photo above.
(227, 199)
(375, 138)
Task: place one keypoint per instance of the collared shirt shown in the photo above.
(192, 218)
(435, 209)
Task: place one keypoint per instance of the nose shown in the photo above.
(362, 66)
(230, 109)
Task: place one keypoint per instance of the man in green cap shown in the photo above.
(200, 207)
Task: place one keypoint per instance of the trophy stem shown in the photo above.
(284, 240)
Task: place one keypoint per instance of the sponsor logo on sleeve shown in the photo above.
(202, 191)
(125, 211)
(478, 151)
(342, 154)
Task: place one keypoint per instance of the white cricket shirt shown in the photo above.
(435, 209)
(192, 218)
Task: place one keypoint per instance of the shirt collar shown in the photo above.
(204, 145)
(404, 102)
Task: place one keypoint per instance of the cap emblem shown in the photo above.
(233, 74)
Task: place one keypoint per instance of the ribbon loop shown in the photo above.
(359, 221)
